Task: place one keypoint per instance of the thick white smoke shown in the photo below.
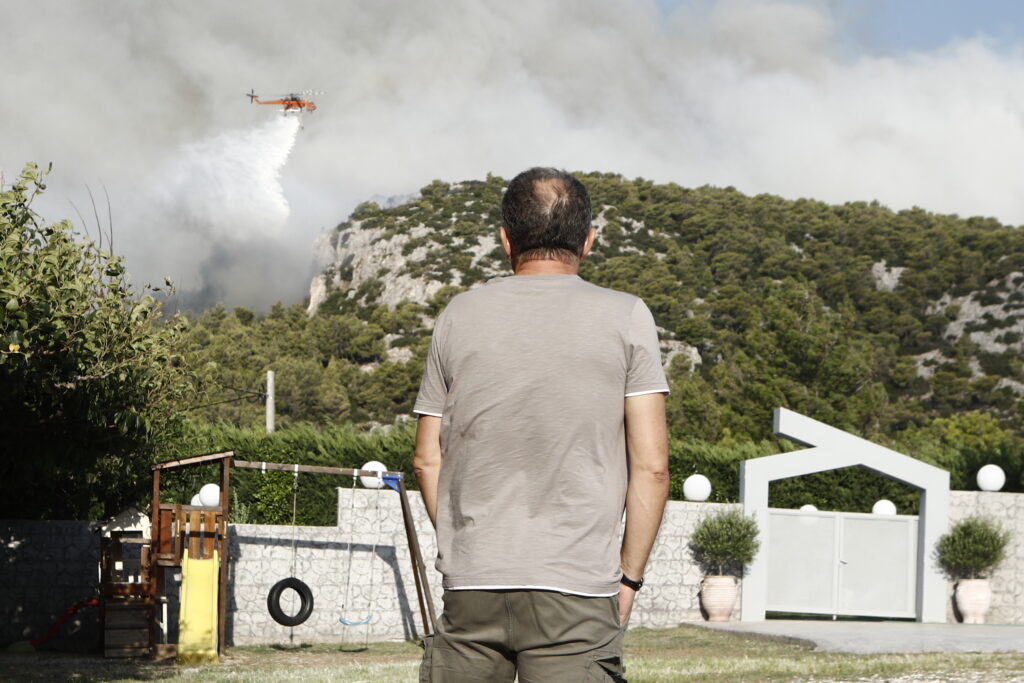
(229, 186)
(764, 95)
(224, 212)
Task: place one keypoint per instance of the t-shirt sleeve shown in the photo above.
(433, 388)
(644, 374)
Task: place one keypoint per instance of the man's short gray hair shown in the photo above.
(546, 214)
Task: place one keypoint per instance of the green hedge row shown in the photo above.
(267, 498)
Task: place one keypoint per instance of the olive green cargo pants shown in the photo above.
(544, 636)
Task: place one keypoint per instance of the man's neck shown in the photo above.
(546, 267)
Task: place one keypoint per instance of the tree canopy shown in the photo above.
(91, 380)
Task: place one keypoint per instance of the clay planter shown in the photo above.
(973, 598)
(718, 596)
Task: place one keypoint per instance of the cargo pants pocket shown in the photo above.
(604, 667)
(427, 643)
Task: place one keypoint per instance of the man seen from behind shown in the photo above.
(541, 419)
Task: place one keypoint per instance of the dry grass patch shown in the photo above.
(687, 653)
(696, 655)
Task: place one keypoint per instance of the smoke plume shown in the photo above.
(764, 95)
(219, 196)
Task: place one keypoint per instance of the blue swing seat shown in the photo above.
(349, 622)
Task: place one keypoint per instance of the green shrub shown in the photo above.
(725, 539)
(972, 548)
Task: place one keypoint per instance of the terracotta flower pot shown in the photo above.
(973, 598)
(718, 596)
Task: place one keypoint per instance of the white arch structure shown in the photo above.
(830, 449)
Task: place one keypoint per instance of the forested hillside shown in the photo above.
(905, 327)
(868, 319)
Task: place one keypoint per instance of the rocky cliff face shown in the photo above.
(409, 252)
(354, 255)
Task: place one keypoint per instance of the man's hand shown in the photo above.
(426, 463)
(626, 597)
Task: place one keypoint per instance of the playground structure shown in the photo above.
(193, 539)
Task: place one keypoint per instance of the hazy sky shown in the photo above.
(908, 102)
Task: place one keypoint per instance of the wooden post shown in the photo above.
(155, 528)
(155, 510)
(193, 534)
(211, 533)
(166, 526)
(419, 570)
(222, 529)
(178, 527)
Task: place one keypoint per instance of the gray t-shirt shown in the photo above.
(528, 374)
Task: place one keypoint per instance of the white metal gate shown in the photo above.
(842, 563)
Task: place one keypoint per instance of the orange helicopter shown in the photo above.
(292, 102)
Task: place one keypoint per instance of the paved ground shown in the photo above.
(870, 637)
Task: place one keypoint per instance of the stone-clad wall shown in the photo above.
(672, 585)
(1008, 579)
(359, 569)
(47, 566)
(382, 584)
(672, 579)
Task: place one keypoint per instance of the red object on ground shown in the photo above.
(91, 602)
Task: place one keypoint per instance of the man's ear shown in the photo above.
(587, 243)
(505, 244)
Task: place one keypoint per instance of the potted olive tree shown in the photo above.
(967, 554)
(722, 543)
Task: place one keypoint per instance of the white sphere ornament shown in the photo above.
(883, 507)
(195, 500)
(991, 478)
(370, 481)
(209, 495)
(697, 488)
(807, 507)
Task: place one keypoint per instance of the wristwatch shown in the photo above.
(635, 585)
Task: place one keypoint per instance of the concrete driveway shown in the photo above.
(871, 637)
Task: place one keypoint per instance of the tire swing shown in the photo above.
(274, 602)
(277, 590)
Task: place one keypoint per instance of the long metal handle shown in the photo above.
(418, 567)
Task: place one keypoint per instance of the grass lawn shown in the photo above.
(685, 653)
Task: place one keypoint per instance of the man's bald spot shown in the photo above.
(550, 193)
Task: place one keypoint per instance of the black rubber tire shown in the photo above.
(274, 602)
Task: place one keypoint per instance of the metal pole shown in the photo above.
(224, 549)
(270, 401)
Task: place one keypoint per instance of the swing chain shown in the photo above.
(295, 494)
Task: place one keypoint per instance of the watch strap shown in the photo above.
(635, 585)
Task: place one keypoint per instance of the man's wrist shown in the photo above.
(635, 585)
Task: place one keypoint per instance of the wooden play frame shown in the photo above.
(202, 529)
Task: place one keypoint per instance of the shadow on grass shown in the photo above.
(55, 666)
(291, 648)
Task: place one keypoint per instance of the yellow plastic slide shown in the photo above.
(197, 618)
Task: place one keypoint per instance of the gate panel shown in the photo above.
(841, 563)
(801, 562)
(878, 566)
